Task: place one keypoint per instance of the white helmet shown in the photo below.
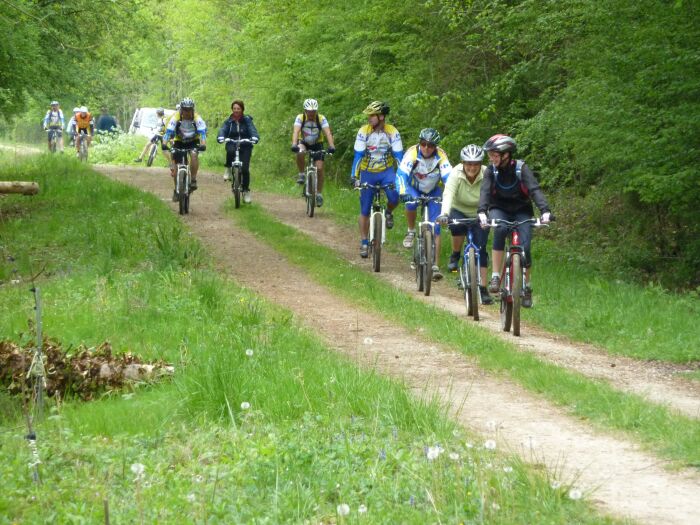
(76, 110)
(311, 104)
(54, 103)
(83, 109)
(472, 153)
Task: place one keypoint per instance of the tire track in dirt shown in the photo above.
(622, 479)
(653, 380)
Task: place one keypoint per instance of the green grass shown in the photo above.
(662, 430)
(318, 433)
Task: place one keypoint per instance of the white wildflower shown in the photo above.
(191, 497)
(575, 494)
(362, 509)
(555, 484)
(433, 452)
(343, 509)
(368, 341)
(507, 469)
(245, 405)
(249, 352)
(490, 444)
(138, 468)
(495, 506)
(454, 456)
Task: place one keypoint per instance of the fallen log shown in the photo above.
(17, 186)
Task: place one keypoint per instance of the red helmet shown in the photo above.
(501, 144)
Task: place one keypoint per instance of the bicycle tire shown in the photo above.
(506, 304)
(310, 192)
(463, 281)
(377, 242)
(428, 248)
(236, 187)
(516, 273)
(151, 155)
(182, 192)
(473, 292)
(417, 247)
(83, 150)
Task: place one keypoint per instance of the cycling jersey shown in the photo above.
(83, 122)
(54, 119)
(186, 130)
(422, 174)
(311, 129)
(376, 150)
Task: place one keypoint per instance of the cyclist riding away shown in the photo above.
(157, 137)
(186, 130)
(84, 125)
(239, 126)
(460, 201)
(423, 172)
(54, 122)
(507, 192)
(306, 136)
(378, 150)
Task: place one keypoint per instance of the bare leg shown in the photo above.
(194, 165)
(411, 218)
(319, 168)
(497, 260)
(363, 222)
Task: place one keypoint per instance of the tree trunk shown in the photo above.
(25, 188)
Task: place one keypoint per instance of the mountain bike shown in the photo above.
(310, 189)
(152, 150)
(183, 179)
(84, 146)
(512, 282)
(377, 221)
(236, 170)
(424, 247)
(54, 135)
(469, 275)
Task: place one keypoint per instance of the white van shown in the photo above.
(145, 121)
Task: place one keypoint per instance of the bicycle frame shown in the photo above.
(53, 135)
(421, 252)
(83, 145)
(377, 221)
(183, 179)
(236, 169)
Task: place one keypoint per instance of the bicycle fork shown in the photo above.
(377, 214)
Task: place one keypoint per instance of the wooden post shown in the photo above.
(25, 188)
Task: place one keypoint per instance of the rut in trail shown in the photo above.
(621, 479)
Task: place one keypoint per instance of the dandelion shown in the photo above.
(495, 506)
(198, 478)
(343, 509)
(507, 469)
(575, 494)
(433, 452)
(454, 456)
(138, 469)
(368, 341)
(490, 444)
(470, 445)
(362, 509)
(245, 405)
(191, 497)
(491, 426)
(555, 485)
(249, 352)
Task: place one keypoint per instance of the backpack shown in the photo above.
(518, 179)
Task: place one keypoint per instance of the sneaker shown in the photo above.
(246, 197)
(319, 200)
(389, 220)
(437, 274)
(527, 298)
(453, 265)
(494, 284)
(408, 240)
(175, 199)
(485, 296)
(193, 185)
(227, 174)
(364, 250)
(301, 179)
(138, 159)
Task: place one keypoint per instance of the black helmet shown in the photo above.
(430, 135)
(501, 144)
(377, 107)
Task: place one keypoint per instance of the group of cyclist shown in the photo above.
(81, 125)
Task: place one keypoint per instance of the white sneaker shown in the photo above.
(246, 197)
(408, 240)
(227, 174)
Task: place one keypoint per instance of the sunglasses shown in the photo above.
(426, 144)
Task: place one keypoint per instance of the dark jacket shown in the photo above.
(501, 189)
(243, 129)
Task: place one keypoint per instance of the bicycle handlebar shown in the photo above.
(368, 186)
(511, 225)
(239, 141)
(423, 198)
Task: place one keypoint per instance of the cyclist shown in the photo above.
(70, 129)
(84, 125)
(158, 136)
(55, 122)
(423, 172)
(507, 192)
(239, 126)
(186, 130)
(306, 135)
(460, 201)
(378, 149)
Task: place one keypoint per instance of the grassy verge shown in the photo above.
(285, 432)
(671, 435)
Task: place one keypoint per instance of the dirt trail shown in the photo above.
(658, 382)
(622, 480)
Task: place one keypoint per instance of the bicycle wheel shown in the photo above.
(377, 242)
(516, 273)
(310, 192)
(506, 304)
(428, 248)
(417, 248)
(473, 292)
(151, 155)
(236, 187)
(83, 150)
(464, 284)
(182, 196)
